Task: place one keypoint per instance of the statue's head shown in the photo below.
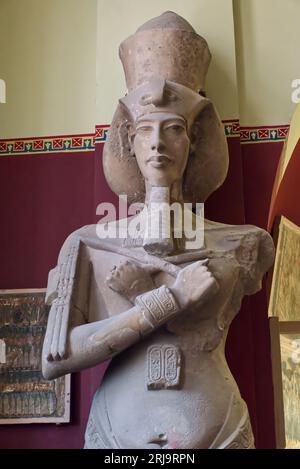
(165, 130)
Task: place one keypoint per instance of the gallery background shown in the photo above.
(59, 59)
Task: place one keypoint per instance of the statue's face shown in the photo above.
(161, 145)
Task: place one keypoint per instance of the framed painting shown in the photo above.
(285, 290)
(285, 349)
(25, 396)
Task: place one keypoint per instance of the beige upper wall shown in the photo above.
(268, 59)
(212, 19)
(47, 58)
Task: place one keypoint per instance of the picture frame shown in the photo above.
(285, 289)
(25, 396)
(285, 355)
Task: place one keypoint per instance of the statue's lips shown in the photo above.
(159, 161)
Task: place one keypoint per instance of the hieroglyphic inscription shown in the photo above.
(163, 366)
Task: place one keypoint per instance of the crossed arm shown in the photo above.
(93, 343)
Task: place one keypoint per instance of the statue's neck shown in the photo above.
(159, 234)
(174, 192)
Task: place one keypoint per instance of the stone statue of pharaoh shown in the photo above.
(157, 305)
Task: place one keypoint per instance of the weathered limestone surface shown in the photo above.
(160, 309)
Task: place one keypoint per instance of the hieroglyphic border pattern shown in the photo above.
(87, 142)
(39, 145)
(264, 134)
(259, 134)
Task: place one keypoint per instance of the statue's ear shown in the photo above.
(131, 136)
(193, 136)
(121, 171)
(208, 163)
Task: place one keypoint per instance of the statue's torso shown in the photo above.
(173, 389)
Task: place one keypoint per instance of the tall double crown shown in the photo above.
(165, 64)
(166, 48)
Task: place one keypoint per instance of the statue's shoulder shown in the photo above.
(93, 236)
(244, 234)
(252, 246)
(72, 272)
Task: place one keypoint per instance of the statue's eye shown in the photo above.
(175, 128)
(144, 129)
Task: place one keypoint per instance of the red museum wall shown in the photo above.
(44, 198)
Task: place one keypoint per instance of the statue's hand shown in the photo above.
(130, 280)
(194, 284)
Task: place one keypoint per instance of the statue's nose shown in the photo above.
(157, 141)
(159, 147)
